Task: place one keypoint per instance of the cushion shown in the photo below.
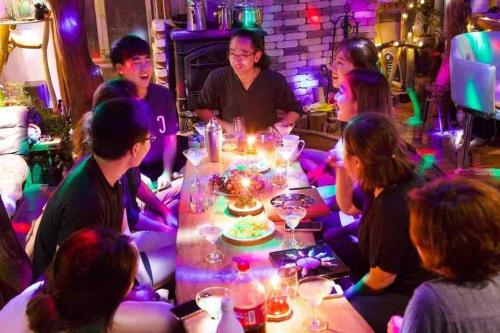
(13, 130)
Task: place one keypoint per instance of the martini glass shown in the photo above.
(284, 129)
(313, 289)
(211, 232)
(209, 300)
(195, 156)
(292, 216)
(285, 151)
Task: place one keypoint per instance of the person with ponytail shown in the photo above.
(374, 157)
(84, 291)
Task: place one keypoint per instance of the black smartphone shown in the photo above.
(336, 291)
(306, 226)
(185, 310)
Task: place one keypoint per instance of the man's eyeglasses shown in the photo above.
(151, 138)
(239, 55)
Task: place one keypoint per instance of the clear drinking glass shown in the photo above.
(195, 156)
(211, 232)
(292, 216)
(209, 300)
(240, 131)
(285, 152)
(198, 200)
(313, 290)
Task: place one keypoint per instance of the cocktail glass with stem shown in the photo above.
(211, 232)
(292, 216)
(209, 300)
(284, 129)
(313, 290)
(285, 151)
(195, 156)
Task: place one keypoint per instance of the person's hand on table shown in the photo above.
(394, 325)
(163, 181)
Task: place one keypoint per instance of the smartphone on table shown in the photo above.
(185, 310)
(306, 226)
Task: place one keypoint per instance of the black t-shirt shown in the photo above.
(161, 104)
(268, 93)
(84, 199)
(384, 237)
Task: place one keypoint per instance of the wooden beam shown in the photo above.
(78, 75)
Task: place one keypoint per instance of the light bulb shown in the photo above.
(411, 5)
(404, 16)
(395, 44)
(420, 44)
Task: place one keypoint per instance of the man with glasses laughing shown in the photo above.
(248, 88)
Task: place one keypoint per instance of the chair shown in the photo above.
(475, 82)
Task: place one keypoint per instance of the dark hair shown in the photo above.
(115, 88)
(90, 275)
(456, 222)
(257, 44)
(128, 47)
(360, 51)
(117, 125)
(375, 140)
(371, 91)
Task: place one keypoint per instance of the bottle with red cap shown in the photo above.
(249, 299)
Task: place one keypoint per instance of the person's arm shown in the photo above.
(375, 281)
(151, 200)
(169, 152)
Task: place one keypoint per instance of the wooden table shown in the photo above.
(194, 274)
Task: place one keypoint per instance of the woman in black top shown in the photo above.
(374, 158)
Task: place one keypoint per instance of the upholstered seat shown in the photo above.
(475, 81)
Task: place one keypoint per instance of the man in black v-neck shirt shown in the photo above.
(90, 195)
(247, 88)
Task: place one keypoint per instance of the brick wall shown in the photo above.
(300, 38)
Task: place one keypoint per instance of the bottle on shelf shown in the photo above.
(228, 322)
(249, 299)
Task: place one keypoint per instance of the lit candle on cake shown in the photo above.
(245, 200)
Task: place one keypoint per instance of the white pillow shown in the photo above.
(13, 130)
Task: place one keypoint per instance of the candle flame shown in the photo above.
(275, 281)
(245, 182)
(251, 139)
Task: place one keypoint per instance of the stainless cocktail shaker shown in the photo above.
(213, 136)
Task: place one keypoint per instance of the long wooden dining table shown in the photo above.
(193, 273)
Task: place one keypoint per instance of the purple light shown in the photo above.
(70, 23)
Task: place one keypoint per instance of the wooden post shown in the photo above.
(78, 75)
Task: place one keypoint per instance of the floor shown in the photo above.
(442, 148)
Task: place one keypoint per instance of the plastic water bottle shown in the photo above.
(228, 322)
(213, 136)
(249, 299)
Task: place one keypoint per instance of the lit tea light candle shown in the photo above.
(251, 144)
(277, 304)
(245, 182)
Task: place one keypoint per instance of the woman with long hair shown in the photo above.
(455, 226)
(374, 157)
(92, 272)
(353, 53)
(361, 91)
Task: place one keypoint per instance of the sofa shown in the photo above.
(13, 154)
